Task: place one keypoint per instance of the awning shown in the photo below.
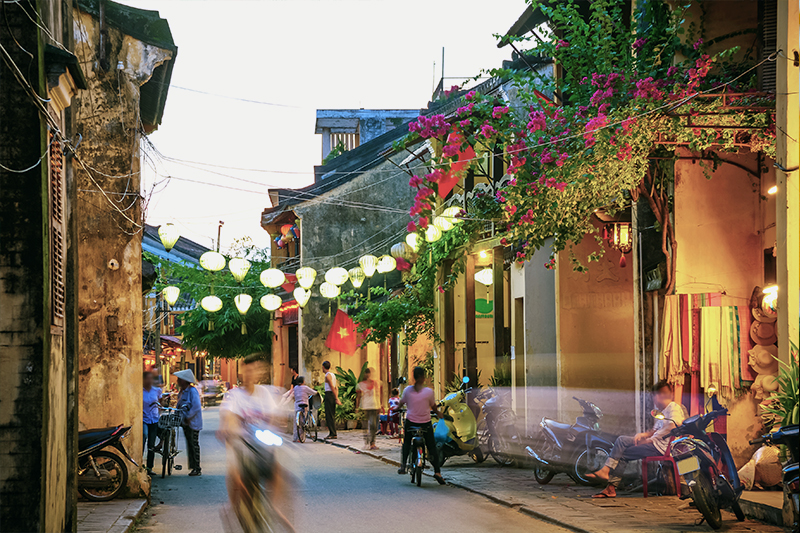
(169, 339)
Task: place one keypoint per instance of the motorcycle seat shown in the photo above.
(90, 437)
(556, 425)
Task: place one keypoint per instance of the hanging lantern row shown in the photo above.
(289, 232)
(336, 276)
(368, 264)
(272, 278)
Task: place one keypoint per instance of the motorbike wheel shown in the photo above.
(706, 503)
(166, 451)
(119, 477)
(580, 467)
(476, 455)
(499, 454)
(542, 474)
(737, 510)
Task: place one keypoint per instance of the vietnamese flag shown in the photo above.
(342, 336)
(461, 162)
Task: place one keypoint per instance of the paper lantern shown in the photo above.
(432, 233)
(357, 276)
(336, 276)
(239, 268)
(443, 223)
(329, 290)
(243, 302)
(368, 264)
(412, 239)
(452, 213)
(302, 296)
(285, 229)
(386, 264)
(169, 235)
(171, 294)
(485, 276)
(272, 278)
(305, 277)
(213, 261)
(212, 304)
(402, 249)
(271, 302)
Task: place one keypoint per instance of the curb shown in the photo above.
(520, 508)
(139, 513)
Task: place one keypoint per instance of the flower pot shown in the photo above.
(352, 424)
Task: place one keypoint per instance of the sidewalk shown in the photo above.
(116, 516)
(561, 501)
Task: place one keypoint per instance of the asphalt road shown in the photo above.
(336, 491)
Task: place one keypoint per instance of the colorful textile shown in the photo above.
(671, 363)
(745, 344)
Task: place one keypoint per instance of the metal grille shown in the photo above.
(56, 178)
(171, 419)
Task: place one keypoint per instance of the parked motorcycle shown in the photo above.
(457, 433)
(788, 436)
(575, 449)
(706, 463)
(101, 474)
(497, 431)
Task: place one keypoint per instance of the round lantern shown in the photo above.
(329, 290)
(357, 276)
(171, 294)
(302, 296)
(443, 223)
(271, 302)
(243, 302)
(212, 304)
(485, 276)
(336, 276)
(169, 235)
(239, 268)
(386, 264)
(432, 233)
(368, 264)
(402, 250)
(451, 213)
(412, 239)
(286, 229)
(306, 276)
(213, 261)
(272, 278)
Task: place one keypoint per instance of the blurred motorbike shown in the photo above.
(457, 433)
(788, 436)
(101, 474)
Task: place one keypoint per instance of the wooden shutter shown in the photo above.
(57, 245)
(768, 16)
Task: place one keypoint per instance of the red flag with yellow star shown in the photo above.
(342, 336)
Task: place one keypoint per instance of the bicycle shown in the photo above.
(416, 459)
(168, 423)
(306, 422)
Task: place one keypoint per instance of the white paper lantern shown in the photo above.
(443, 223)
(212, 304)
(302, 296)
(271, 302)
(272, 278)
(169, 235)
(336, 276)
(386, 264)
(243, 302)
(329, 290)
(412, 239)
(306, 276)
(402, 249)
(368, 264)
(452, 213)
(212, 261)
(432, 233)
(485, 276)
(239, 267)
(357, 277)
(171, 294)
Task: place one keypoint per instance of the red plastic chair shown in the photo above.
(661, 459)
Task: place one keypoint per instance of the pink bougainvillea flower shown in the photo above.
(499, 111)
(639, 43)
(440, 289)
(464, 123)
(562, 159)
(415, 181)
(537, 121)
(423, 222)
(402, 264)
(547, 157)
(450, 150)
(411, 227)
(488, 131)
(470, 96)
(698, 44)
(625, 152)
(451, 90)
(503, 241)
(511, 209)
(562, 44)
(465, 110)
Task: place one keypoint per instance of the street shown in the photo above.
(338, 490)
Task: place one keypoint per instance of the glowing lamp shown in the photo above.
(239, 268)
(443, 223)
(212, 261)
(329, 290)
(412, 239)
(357, 276)
(402, 250)
(432, 233)
(272, 278)
(169, 235)
(619, 236)
(769, 303)
(336, 276)
(386, 263)
(711, 390)
(212, 304)
(171, 294)
(452, 214)
(302, 296)
(368, 264)
(485, 276)
(271, 302)
(306, 276)
(773, 190)
(243, 302)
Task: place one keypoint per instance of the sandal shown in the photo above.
(440, 479)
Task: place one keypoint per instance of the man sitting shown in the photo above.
(647, 444)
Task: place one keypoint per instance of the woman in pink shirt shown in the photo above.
(420, 402)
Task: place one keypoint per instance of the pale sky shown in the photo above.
(303, 55)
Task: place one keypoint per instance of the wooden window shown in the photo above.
(56, 179)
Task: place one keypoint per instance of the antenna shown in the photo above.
(442, 66)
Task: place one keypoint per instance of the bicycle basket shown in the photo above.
(171, 419)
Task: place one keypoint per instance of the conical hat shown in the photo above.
(186, 375)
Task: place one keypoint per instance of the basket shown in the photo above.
(170, 419)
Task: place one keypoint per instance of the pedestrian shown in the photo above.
(331, 400)
(189, 405)
(295, 375)
(151, 399)
(394, 413)
(420, 401)
(302, 394)
(368, 398)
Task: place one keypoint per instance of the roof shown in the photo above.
(148, 27)
(333, 118)
(184, 250)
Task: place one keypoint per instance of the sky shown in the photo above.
(294, 57)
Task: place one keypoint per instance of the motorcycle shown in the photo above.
(497, 431)
(788, 436)
(101, 474)
(457, 433)
(575, 449)
(706, 463)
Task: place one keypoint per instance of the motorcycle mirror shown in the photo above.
(465, 380)
(658, 415)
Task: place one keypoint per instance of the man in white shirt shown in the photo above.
(331, 399)
(648, 444)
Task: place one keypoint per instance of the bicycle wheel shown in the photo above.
(173, 451)
(413, 465)
(420, 467)
(301, 429)
(311, 426)
(166, 450)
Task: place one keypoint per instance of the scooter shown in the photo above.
(788, 436)
(575, 449)
(499, 420)
(457, 434)
(706, 463)
(101, 474)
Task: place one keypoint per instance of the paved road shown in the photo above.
(338, 491)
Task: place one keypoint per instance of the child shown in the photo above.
(394, 412)
(301, 393)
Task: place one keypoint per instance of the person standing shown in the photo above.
(151, 399)
(331, 400)
(368, 397)
(302, 394)
(295, 375)
(189, 405)
(420, 401)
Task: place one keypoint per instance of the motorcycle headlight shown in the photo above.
(597, 412)
(268, 437)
